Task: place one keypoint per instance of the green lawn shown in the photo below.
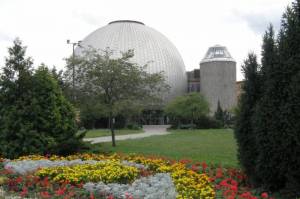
(216, 146)
(106, 132)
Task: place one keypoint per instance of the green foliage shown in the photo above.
(268, 130)
(112, 87)
(35, 118)
(266, 121)
(278, 112)
(245, 137)
(187, 109)
(219, 114)
(224, 117)
(207, 122)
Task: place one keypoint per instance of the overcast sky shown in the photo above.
(191, 25)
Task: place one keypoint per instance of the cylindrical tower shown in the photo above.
(218, 78)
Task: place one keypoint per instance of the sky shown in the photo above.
(191, 25)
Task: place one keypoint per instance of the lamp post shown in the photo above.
(74, 44)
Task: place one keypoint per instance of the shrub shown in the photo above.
(206, 122)
(133, 126)
(187, 109)
(35, 118)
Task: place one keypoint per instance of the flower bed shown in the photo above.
(120, 176)
(107, 172)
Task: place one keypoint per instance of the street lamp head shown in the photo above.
(79, 44)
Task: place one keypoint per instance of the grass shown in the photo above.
(215, 146)
(106, 132)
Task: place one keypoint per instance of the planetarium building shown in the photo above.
(150, 47)
(215, 78)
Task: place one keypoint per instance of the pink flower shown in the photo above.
(264, 195)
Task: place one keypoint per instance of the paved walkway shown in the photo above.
(149, 130)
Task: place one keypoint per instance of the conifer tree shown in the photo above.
(35, 118)
(219, 114)
(275, 124)
(266, 120)
(289, 51)
(247, 152)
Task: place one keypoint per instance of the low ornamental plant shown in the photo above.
(192, 180)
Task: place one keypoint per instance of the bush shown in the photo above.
(133, 126)
(187, 126)
(208, 123)
(35, 118)
(187, 109)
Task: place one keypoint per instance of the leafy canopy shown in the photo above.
(116, 85)
(189, 107)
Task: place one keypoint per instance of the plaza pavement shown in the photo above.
(149, 130)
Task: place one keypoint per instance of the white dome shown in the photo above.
(149, 47)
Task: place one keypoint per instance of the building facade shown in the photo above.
(150, 47)
(215, 79)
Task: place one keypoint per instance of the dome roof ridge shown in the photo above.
(126, 21)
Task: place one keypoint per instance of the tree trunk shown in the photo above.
(112, 124)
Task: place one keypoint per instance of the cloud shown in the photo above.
(5, 37)
(259, 21)
(88, 18)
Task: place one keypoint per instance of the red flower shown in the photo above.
(45, 194)
(60, 191)
(19, 179)
(185, 161)
(45, 182)
(195, 168)
(219, 173)
(264, 195)
(204, 166)
(128, 196)
(92, 195)
(24, 192)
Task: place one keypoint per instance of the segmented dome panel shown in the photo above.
(150, 47)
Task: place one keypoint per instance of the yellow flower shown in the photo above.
(107, 172)
(189, 184)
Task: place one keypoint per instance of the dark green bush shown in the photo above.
(133, 126)
(187, 126)
(35, 118)
(207, 122)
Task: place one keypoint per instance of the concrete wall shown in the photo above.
(218, 83)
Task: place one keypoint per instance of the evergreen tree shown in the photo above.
(52, 115)
(15, 99)
(247, 152)
(266, 121)
(219, 114)
(289, 51)
(275, 125)
(35, 118)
